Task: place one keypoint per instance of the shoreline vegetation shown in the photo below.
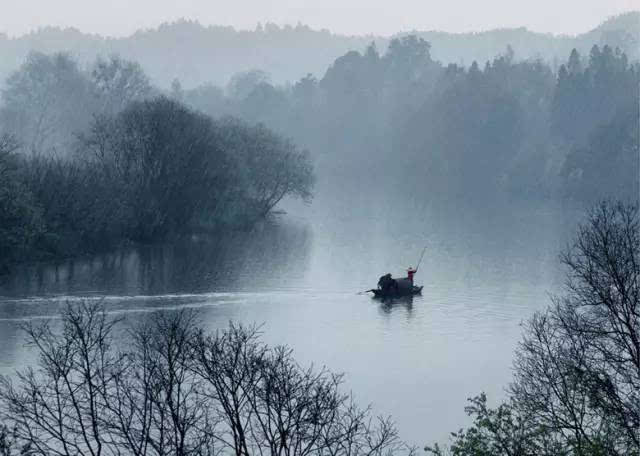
(91, 158)
(141, 172)
(97, 156)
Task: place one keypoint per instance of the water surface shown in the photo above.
(486, 269)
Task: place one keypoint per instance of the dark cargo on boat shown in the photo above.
(395, 288)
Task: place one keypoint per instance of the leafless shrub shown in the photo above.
(576, 388)
(268, 404)
(578, 367)
(155, 405)
(59, 407)
(178, 391)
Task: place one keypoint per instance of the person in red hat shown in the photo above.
(410, 274)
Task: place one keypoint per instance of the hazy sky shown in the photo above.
(122, 17)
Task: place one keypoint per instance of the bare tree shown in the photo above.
(58, 408)
(117, 82)
(10, 444)
(177, 391)
(45, 102)
(578, 368)
(576, 387)
(267, 404)
(167, 389)
(230, 365)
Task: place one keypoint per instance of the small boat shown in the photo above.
(396, 288)
(379, 293)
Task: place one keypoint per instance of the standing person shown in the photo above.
(410, 273)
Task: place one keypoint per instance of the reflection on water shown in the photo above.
(395, 305)
(417, 358)
(190, 267)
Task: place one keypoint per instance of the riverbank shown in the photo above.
(156, 171)
(298, 278)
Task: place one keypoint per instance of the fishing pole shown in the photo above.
(421, 256)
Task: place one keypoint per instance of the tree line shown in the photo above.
(213, 53)
(510, 127)
(94, 158)
(520, 127)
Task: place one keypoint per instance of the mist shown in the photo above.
(119, 18)
(198, 213)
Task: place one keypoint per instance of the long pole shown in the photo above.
(421, 256)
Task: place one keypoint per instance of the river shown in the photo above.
(486, 269)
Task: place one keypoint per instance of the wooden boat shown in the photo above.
(396, 293)
(398, 287)
(388, 287)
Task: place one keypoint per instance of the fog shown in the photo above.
(433, 213)
(356, 17)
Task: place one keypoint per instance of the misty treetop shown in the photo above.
(154, 170)
(201, 53)
(595, 108)
(116, 82)
(589, 94)
(49, 100)
(506, 126)
(104, 156)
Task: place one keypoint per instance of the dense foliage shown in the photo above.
(576, 387)
(176, 390)
(508, 126)
(200, 53)
(94, 159)
(595, 109)
(20, 218)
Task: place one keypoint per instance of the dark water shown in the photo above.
(485, 271)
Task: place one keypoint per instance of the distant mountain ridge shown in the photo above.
(197, 54)
(621, 31)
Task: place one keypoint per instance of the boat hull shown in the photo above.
(397, 293)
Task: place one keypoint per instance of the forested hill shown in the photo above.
(196, 54)
(621, 31)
